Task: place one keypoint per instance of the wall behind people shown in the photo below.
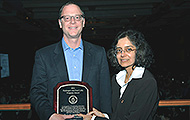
(169, 44)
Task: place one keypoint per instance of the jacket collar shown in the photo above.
(60, 62)
(87, 61)
(137, 73)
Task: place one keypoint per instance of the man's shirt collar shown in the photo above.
(66, 47)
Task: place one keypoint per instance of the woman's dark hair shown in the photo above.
(144, 54)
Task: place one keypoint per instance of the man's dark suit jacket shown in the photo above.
(50, 69)
(139, 100)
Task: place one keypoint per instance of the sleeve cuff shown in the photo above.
(106, 116)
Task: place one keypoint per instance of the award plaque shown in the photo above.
(72, 97)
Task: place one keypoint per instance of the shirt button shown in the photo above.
(75, 67)
(73, 55)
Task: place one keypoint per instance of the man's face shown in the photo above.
(72, 28)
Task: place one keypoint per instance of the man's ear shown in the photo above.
(83, 23)
(60, 23)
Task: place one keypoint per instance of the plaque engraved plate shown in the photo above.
(73, 97)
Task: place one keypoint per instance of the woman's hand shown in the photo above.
(88, 116)
(85, 117)
(96, 113)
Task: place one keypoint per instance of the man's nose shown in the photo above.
(72, 19)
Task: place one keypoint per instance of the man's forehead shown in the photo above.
(71, 9)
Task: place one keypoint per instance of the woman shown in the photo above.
(134, 89)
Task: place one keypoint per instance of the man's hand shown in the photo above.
(60, 117)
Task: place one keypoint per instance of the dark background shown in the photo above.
(28, 25)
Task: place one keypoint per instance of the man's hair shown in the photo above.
(69, 3)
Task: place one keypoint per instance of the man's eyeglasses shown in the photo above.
(127, 49)
(68, 18)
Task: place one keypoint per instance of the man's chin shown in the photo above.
(74, 36)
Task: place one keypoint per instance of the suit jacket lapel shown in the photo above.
(128, 89)
(60, 62)
(86, 62)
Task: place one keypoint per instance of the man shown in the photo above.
(70, 59)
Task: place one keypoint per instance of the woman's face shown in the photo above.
(125, 52)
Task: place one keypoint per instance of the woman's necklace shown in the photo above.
(127, 77)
